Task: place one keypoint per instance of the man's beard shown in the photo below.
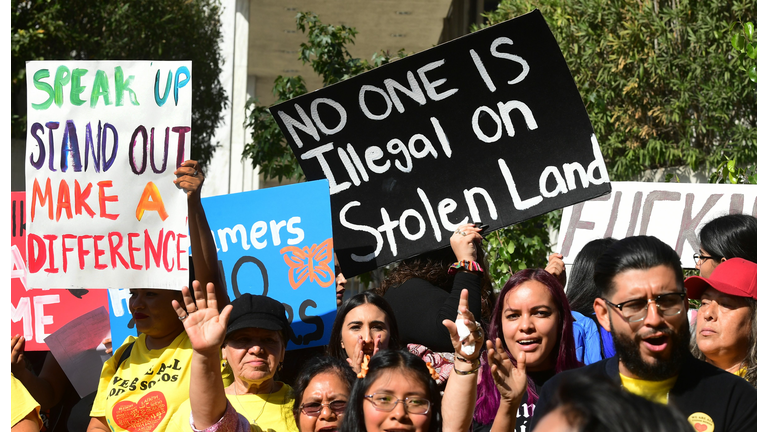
(628, 350)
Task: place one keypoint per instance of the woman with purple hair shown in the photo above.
(530, 340)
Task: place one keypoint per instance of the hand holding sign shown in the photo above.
(463, 242)
(189, 177)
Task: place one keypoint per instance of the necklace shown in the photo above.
(266, 400)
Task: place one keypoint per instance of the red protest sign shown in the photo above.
(36, 313)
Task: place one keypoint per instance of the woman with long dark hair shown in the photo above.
(593, 342)
(530, 340)
(726, 237)
(364, 324)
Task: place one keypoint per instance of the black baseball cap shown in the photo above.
(258, 311)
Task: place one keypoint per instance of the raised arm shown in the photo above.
(206, 329)
(190, 177)
(464, 243)
(458, 405)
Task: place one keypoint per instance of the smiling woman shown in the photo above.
(532, 330)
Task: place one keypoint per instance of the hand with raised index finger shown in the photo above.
(190, 177)
(466, 333)
(205, 326)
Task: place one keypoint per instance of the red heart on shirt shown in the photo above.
(700, 427)
(141, 416)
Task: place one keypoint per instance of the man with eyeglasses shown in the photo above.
(644, 305)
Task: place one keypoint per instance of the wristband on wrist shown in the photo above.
(462, 359)
(469, 372)
(465, 264)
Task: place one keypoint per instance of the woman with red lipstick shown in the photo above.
(530, 340)
(147, 379)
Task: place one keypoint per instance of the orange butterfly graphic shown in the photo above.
(311, 263)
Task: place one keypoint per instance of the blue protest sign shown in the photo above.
(278, 242)
(120, 319)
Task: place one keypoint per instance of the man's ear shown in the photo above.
(601, 310)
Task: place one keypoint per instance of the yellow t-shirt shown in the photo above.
(22, 403)
(148, 387)
(655, 391)
(266, 412)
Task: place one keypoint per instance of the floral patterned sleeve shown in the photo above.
(231, 421)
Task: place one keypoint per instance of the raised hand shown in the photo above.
(205, 327)
(467, 319)
(510, 380)
(465, 241)
(189, 177)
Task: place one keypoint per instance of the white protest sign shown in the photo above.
(103, 141)
(672, 212)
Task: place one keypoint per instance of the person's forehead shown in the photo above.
(641, 282)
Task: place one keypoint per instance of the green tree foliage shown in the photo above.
(662, 88)
(326, 52)
(658, 77)
(744, 42)
(135, 30)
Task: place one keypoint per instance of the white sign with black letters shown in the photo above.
(672, 212)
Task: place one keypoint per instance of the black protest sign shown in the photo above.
(486, 128)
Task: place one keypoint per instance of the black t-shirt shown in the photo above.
(421, 307)
(728, 400)
(526, 410)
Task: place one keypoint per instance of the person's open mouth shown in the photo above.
(529, 344)
(656, 342)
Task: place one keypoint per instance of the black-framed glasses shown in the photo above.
(701, 257)
(668, 305)
(387, 402)
(313, 409)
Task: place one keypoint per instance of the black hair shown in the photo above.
(582, 291)
(382, 361)
(595, 404)
(433, 267)
(730, 236)
(635, 253)
(334, 344)
(314, 367)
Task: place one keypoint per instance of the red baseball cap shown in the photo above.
(735, 276)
